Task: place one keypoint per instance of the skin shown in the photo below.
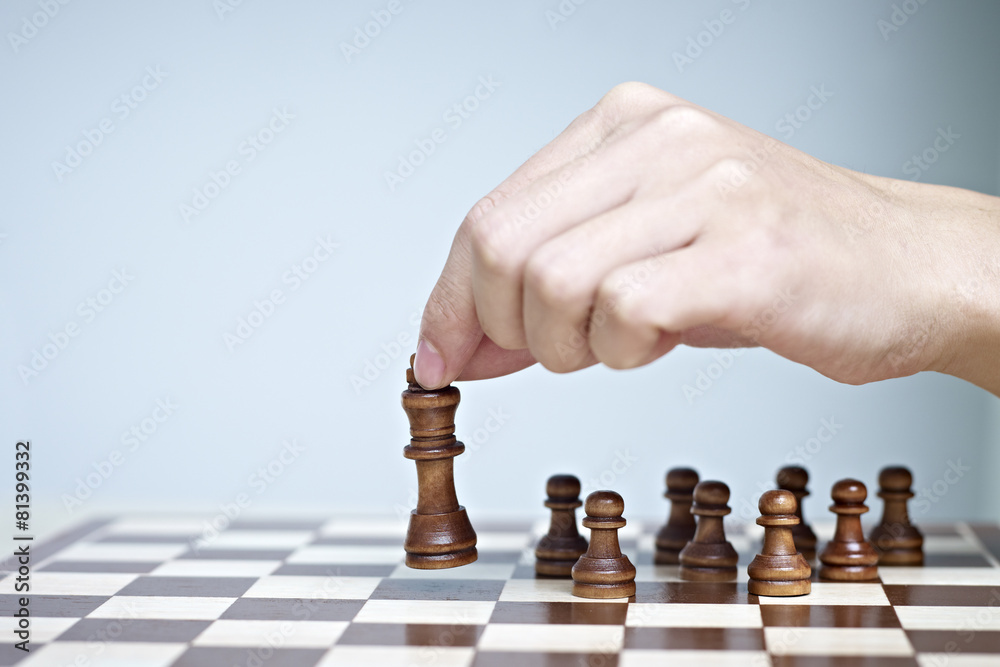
(652, 222)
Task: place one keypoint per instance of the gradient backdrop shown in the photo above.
(210, 289)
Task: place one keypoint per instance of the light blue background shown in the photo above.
(162, 337)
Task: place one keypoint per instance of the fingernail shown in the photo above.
(428, 367)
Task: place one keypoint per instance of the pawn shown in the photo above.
(563, 545)
(779, 569)
(708, 556)
(848, 556)
(680, 526)
(795, 479)
(897, 541)
(604, 572)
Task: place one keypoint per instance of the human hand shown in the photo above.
(651, 222)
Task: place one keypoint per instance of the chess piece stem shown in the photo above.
(709, 556)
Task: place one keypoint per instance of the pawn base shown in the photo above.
(779, 588)
(667, 557)
(603, 591)
(554, 568)
(689, 573)
(901, 557)
(848, 573)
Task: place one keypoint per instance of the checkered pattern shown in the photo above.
(144, 593)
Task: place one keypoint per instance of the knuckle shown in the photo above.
(491, 243)
(551, 280)
(683, 118)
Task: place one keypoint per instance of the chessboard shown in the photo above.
(147, 591)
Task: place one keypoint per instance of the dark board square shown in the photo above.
(292, 609)
(717, 639)
(127, 567)
(439, 589)
(363, 541)
(693, 592)
(559, 613)
(829, 616)
(842, 661)
(202, 656)
(943, 596)
(532, 659)
(499, 556)
(956, 641)
(134, 630)
(221, 587)
(277, 524)
(954, 560)
(13, 656)
(63, 606)
(317, 570)
(410, 634)
(126, 538)
(989, 535)
(527, 572)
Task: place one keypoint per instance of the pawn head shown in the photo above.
(563, 488)
(711, 493)
(849, 492)
(777, 502)
(895, 478)
(604, 504)
(793, 478)
(681, 480)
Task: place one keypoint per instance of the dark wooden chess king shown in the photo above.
(440, 534)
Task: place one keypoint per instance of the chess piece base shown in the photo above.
(689, 573)
(603, 591)
(779, 588)
(667, 557)
(438, 541)
(554, 568)
(901, 557)
(848, 573)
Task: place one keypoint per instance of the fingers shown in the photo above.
(450, 332)
(490, 361)
(646, 306)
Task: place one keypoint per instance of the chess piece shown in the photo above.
(848, 556)
(708, 556)
(897, 541)
(779, 569)
(795, 479)
(440, 534)
(559, 550)
(604, 572)
(680, 525)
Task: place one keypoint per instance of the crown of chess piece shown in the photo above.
(559, 550)
(897, 541)
(708, 556)
(795, 479)
(440, 534)
(779, 569)
(680, 525)
(604, 572)
(849, 556)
